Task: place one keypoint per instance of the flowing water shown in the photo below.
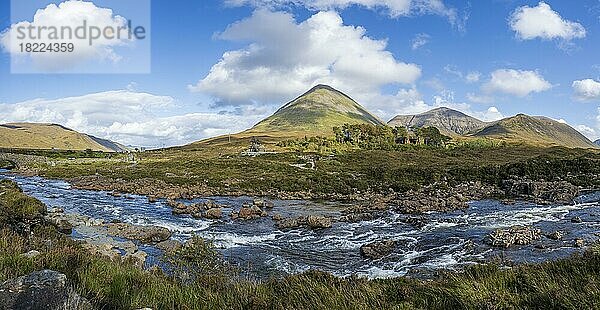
(448, 241)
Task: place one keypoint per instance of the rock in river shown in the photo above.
(377, 250)
(518, 235)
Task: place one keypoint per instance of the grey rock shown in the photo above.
(44, 289)
(377, 250)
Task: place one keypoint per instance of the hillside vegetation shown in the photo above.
(540, 131)
(51, 136)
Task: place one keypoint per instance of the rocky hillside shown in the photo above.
(449, 122)
(535, 130)
(48, 136)
(316, 111)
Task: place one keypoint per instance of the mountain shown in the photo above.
(316, 111)
(449, 122)
(48, 136)
(536, 130)
(597, 142)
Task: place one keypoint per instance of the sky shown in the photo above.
(208, 68)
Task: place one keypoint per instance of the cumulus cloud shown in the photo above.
(393, 8)
(70, 14)
(587, 89)
(285, 58)
(519, 83)
(420, 40)
(127, 117)
(542, 22)
(479, 98)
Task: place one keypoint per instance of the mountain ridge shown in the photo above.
(316, 111)
(448, 121)
(537, 130)
(52, 136)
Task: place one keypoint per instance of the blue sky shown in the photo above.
(220, 66)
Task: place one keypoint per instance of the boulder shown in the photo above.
(144, 234)
(169, 246)
(557, 235)
(249, 213)
(518, 235)
(44, 289)
(277, 217)
(377, 250)
(579, 243)
(31, 254)
(214, 213)
(314, 221)
(576, 220)
(288, 223)
(261, 203)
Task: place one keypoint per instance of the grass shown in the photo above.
(345, 173)
(199, 279)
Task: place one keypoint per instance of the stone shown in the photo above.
(31, 254)
(518, 235)
(277, 217)
(62, 224)
(378, 250)
(579, 243)
(557, 235)
(56, 210)
(169, 246)
(144, 234)
(214, 213)
(44, 289)
(576, 220)
(314, 221)
(288, 223)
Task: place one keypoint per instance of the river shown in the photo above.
(448, 241)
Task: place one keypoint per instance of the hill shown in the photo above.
(48, 136)
(316, 111)
(535, 130)
(449, 122)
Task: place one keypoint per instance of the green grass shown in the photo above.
(355, 170)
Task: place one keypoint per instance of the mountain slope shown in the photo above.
(48, 136)
(449, 122)
(535, 130)
(316, 111)
(597, 142)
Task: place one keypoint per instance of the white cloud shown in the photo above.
(71, 14)
(473, 77)
(587, 131)
(542, 22)
(127, 117)
(393, 8)
(516, 82)
(587, 89)
(285, 58)
(420, 40)
(478, 98)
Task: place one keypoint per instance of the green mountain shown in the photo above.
(535, 130)
(316, 112)
(449, 122)
(49, 136)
